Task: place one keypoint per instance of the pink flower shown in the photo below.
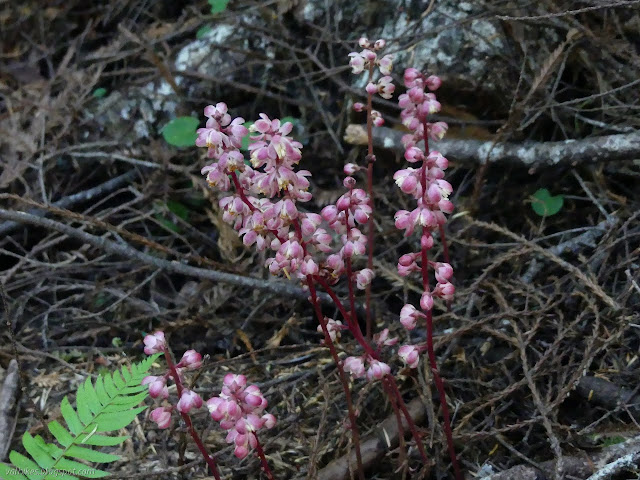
(407, 264)
(385, 87)
(379, 44)
(191, 360)
(154, 343)
(377, 370)
(426, 301)
(161, 416)
(188, 400)
(409, 316)
(354, 366)
(382, 339)
(358, 107)
(364, 42)
(377, 119)
(334, 327)
(157, 386)
(410, 355)
(433, 83)
(410, 77)
(364, 277)
(437, 130)
(356, 63)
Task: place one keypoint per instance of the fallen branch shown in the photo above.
(7, 399)
(373, 446)
(277, 287)
(76, 198)
(530, 154)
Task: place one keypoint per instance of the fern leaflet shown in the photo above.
(108, 405)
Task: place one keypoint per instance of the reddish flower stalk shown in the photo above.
(263, 460)
(341, 374)
(187, 418)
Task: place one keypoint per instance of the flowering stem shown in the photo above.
(429, 324)
(343, 377)
(354, 328)
(394, 392)
(263, 459)
(240, 190)
(370, 231)
(187, 419)
(445, 254)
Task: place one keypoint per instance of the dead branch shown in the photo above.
(529, 155)
(7, 399)
(385, 438)
(277, 287)
(76, 198)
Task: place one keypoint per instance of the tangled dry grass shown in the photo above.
(540, 350)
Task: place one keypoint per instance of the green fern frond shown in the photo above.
(108, 405)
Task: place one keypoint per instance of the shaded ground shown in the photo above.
(529, 320)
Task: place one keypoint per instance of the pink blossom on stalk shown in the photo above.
(409, 316)
(157, 386)
(410, 355)
(407, 264)
(386, 64)
(377, 370)
(188, 400)
(351, 169)
(382, 339)
(385, 88)
(354, 366)
(364, 277)
(426, 301)
(154, 343)
(334, 327)
(161, 416)
(359, 107)
(191, 360)
(379, 44)
(239, 409)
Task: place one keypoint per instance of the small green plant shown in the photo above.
(99, 92)
(181, 131)
(546, 205)
(108, 405)
(218, 6)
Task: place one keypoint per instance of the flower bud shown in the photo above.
(154, 343)
(161, 416)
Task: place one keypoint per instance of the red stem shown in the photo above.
(445, 254)
(187, 419)
(370, 232)
(263, 459)
(429, 324)
(341, 374)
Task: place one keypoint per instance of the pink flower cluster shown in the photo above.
(191, 360)
(240, 410)
(264, 207)
(427, 186)
(367, 59)
(367, 366)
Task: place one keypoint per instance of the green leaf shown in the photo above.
(99, 92)
(202, 31)
(294, 121)
(610, 441)
(246, 140)
(8, 472)
(181, 131)
(218, 6)
(105, 407)
(29, 467)
(546, 205)
(71, 417)
(178, 209)
(168, 224)
(62, 436)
